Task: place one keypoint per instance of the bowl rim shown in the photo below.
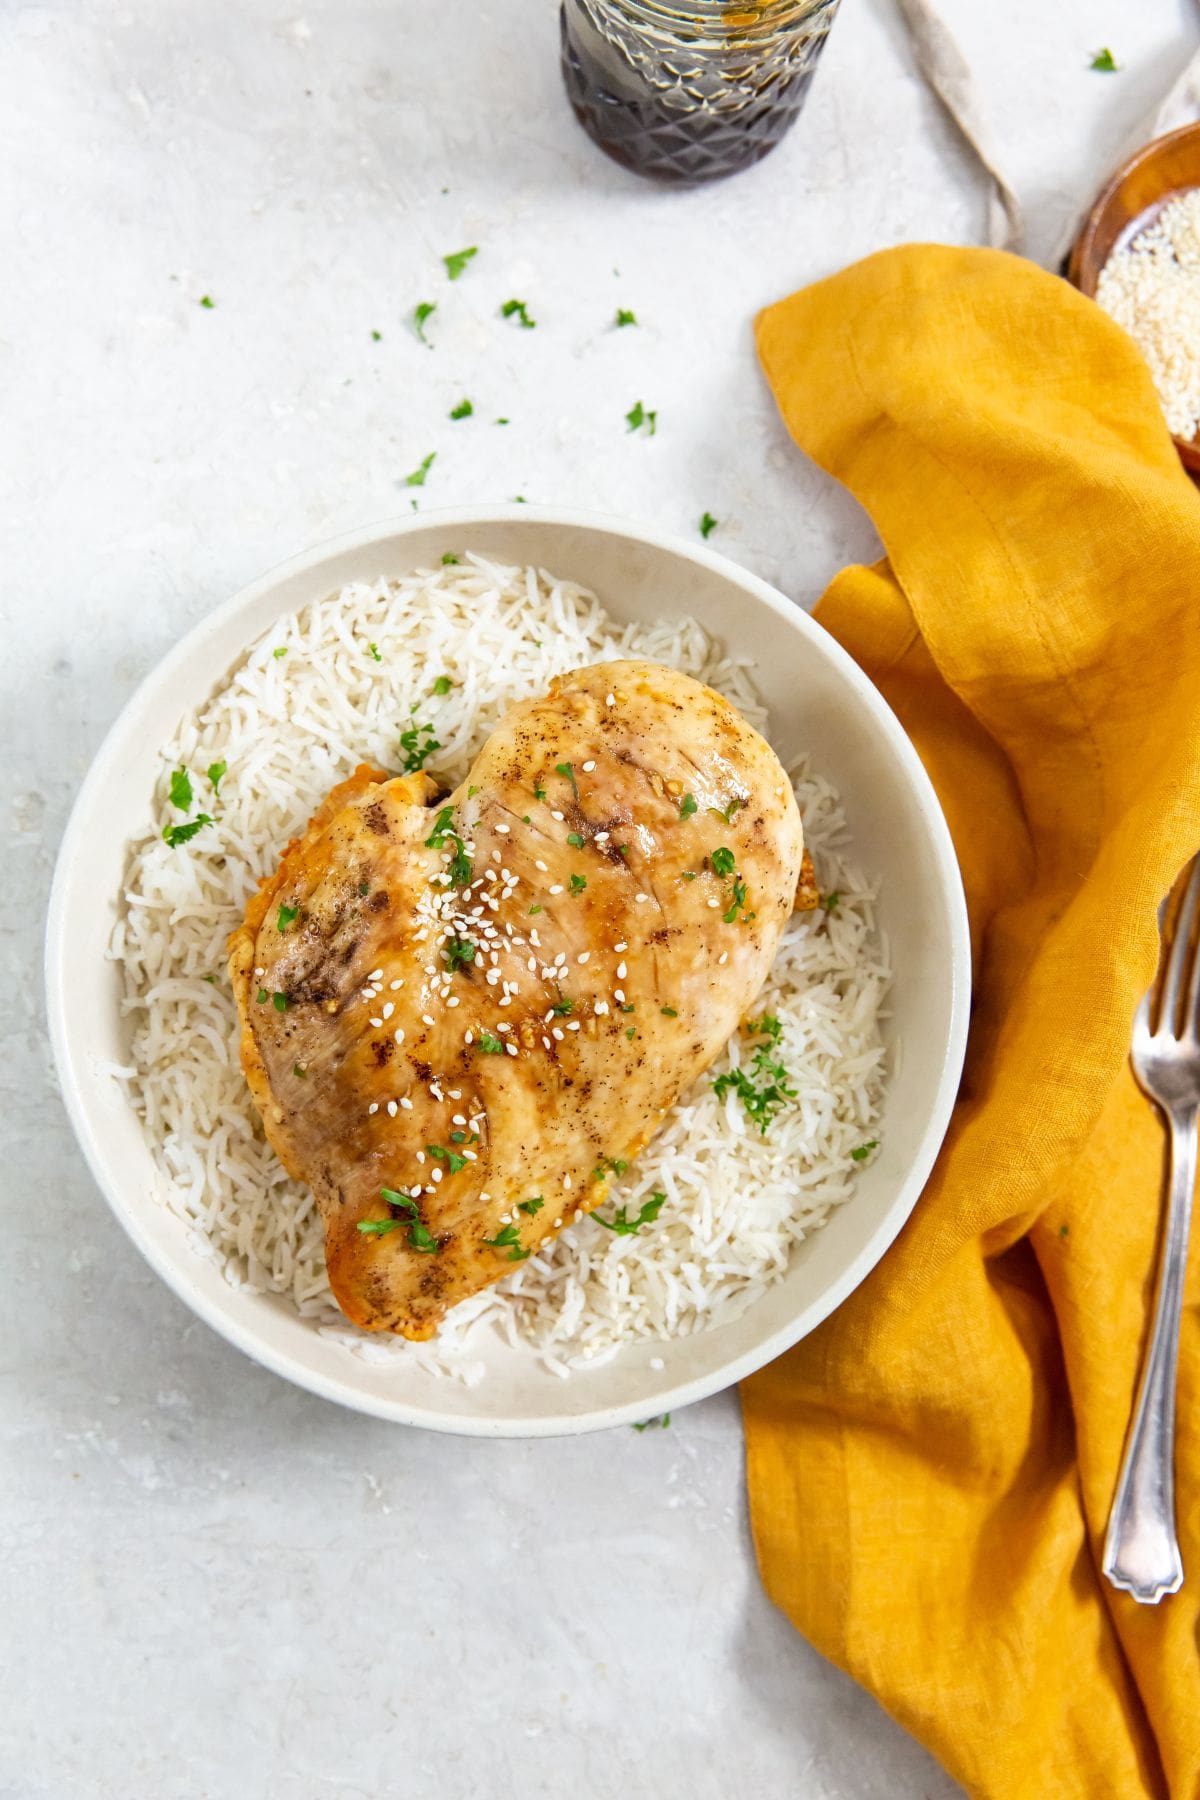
(172, 1268)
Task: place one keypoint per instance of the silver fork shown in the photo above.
(1141, 1551)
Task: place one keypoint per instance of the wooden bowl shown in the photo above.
(1132, 200)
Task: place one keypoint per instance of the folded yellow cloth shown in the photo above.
(930, 1472)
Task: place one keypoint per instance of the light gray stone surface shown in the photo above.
(214, 1585)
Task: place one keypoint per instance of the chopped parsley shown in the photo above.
(531, 1206)
(830, 902)
(539, 792)
(216, 773)
(623, 850)
(668, 1012)
(1104, 60)
(519, 308)
(299, 1071)
(417, 478)
(420, 1239)
(459, 952)
(500, 421)
(416, 752)
(735, 806)
(663, 1421)
(364, 887)
(461, 867)
(609, 1165)
(864, 1150)
(631, 1033)
(575, 841)
(563, 1007)
(763, 1088)
(373, 652)
(174, 835)
(687, 806)
(463, 410)
(181, 789)
(281, 1002)
(638, 418)
(279, 652)
(534, 909)
(627, 1227)
(425, 309)
(262, 996)
(207, 302)
(723, 861)
(578, 883)
(379, 1227)
(457, 261)
(471, 792)
(453, 1161)
(525, 819)
(625, 317)
(376, 336)
(738, 901)
(1064, 1231)
(442, 685)
(688, 875)
(707, 524)
(287, 915)
(449, 557)
(491, 1046)
(508, 1238)
(567, 771)
(629, 1007)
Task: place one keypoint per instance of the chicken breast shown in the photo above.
(461, 1016)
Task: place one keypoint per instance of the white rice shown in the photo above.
(289, 727)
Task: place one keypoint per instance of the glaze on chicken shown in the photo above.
(461, 1014)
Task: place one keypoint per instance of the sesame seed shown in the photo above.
(391, 1106)
(558, 815)
(601, 1008)
(506, 1000)
(573, 1025)
(503, 830)
(376, 1022)
(375, 975)
(534, 939)
(556, 1032)
(557, 888)
(495, 859)
(454, 1093)
(511, 1048)
(656, 1362)
(602, 837)
(545, 1043)
(435, 1090)
(713, 905)
(560, 959)
(622, 971)
(468, 1037)
(577, 1218)
(398, 1034)
(557, 1223)
(453, 1000)
(620, 947)
(544, 867)
(619, 996)
(640, 897)
(406, 1103)
(724, 957)
(388, 1010)
(531, 964)
(567, 1181)
(588, 767)
(374, 1107)
(435, 1174)
(420, 1156)
(395, 986)
(610, 700)
(426, 1019)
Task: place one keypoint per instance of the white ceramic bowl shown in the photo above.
(819, 701)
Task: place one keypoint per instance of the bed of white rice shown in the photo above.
(288, 726)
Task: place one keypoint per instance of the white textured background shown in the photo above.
(214, 1585)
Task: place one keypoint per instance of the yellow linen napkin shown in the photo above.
(930, 1472)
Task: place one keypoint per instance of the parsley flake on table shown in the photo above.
(519, 310)
(424, 309)
(663, 1421)
(707, 524)
(377, 337)
(1105, 62)
(625, 317)
(463, 410)
(627, 1227)
(181, 789)
(216, 773)
(417, 478)
(174, 835)
(640, 418)
(207, 302)
(457, 261)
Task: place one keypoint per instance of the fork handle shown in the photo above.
(1141, 1551)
